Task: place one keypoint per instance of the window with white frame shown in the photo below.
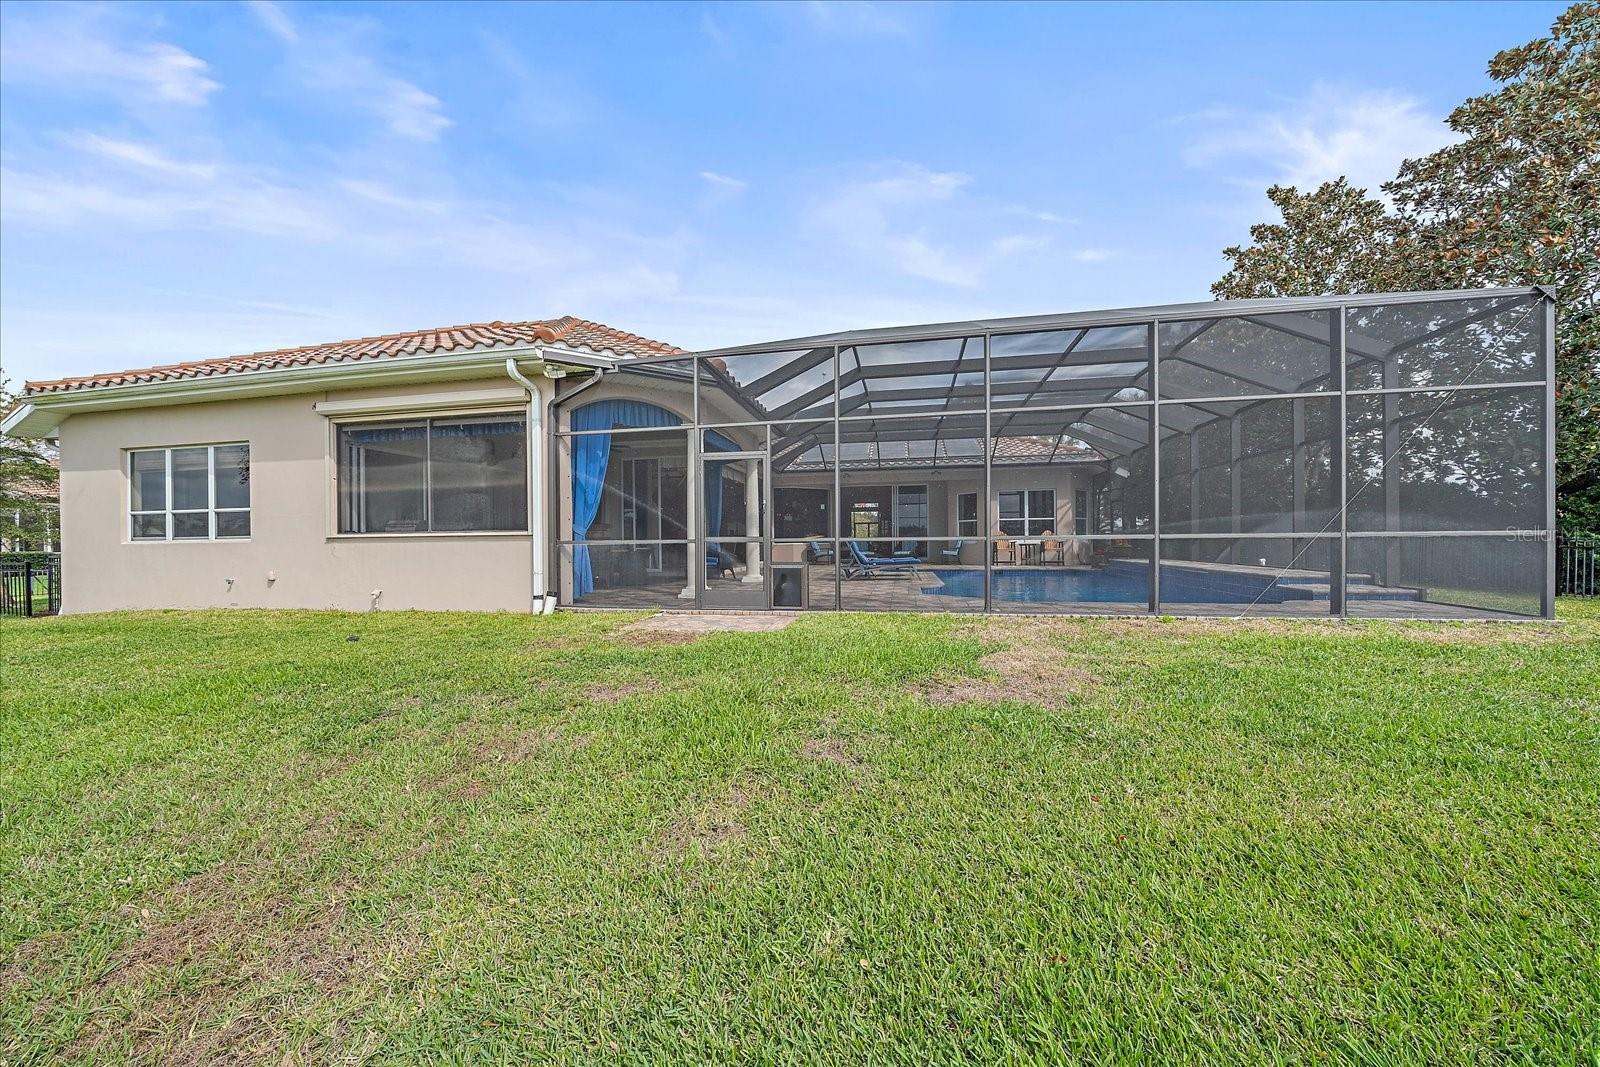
(195, 493)
(442, 475)
(911, 511)
(1027, 512)
(967, 515)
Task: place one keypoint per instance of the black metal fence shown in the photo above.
(1575, 569)
(30, 583)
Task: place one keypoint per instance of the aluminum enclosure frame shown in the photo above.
(1337, 535)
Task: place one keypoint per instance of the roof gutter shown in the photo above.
(20, 416)
(41, 413)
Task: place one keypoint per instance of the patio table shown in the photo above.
(1027, 546)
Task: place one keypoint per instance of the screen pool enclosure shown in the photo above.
(1365, 456)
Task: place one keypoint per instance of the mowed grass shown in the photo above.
(866, 839)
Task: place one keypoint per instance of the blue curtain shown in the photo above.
(591, 454)
(628, 414)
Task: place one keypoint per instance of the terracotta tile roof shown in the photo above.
(572, 332)
(1033, 450)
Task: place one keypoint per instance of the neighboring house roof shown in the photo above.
(570, 332)
(963, 452)
(46, 490)
(43, 492)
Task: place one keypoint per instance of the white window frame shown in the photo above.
(973, 522)
(168, 511)
(1028, 518)
(927, 512)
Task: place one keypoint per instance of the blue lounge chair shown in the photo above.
(820, 552)
(862, 564)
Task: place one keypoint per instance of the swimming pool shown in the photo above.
(1124, 582)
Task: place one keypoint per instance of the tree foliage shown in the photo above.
(28, 480)
(1515, 201)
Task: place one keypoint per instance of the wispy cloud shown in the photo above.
(141, 155)
(1363, 135)
(330, 57)
(712, 27)
(855, 18)
(143, 203)
(379, 193)
(131, 189)
(723, 183)
(274, 19)
(923, 223)
(534, 95)
(1092, 255)
(873, 216)
(99, 50)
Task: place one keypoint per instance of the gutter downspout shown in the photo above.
(539, 603)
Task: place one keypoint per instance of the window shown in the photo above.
(911, 511)
(866, 519)
(198, 493)
(1027, 512)
(1080, 512)
(967, 515)
(446, 475)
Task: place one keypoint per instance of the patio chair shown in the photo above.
(862, 564)
(1051, 551)
(719, 563)
(821, 551)
(905, 550)
(952, 553)
(1003, 551)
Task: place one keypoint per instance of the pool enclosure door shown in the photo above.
(733, 513)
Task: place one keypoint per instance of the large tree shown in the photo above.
(27, 484)
(1515, 201)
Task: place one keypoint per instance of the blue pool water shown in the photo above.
(1122, 582)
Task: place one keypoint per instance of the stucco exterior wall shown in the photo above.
(293, 558)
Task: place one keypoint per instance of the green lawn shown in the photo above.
(866, 839)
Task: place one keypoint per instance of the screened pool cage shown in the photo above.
(1382, 456)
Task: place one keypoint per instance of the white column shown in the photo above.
(752, 519)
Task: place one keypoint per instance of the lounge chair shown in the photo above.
(952, 553)
(863, 564)
(820, 551)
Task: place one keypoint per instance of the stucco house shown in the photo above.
(1362, 455)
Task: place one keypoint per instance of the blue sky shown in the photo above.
(190, 180)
